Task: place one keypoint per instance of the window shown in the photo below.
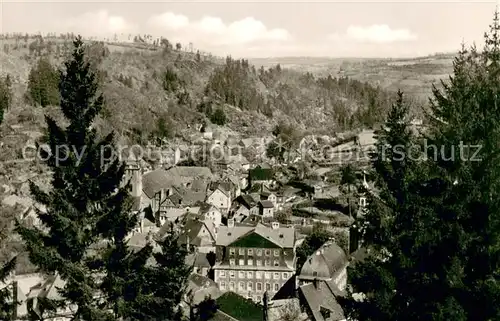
(268, 252)
(267, 263)
(241, 262)
(276, 263)
(276, 252)
(223, 285)
(250, 252)
(249, 262)
(249, 275)
(231, 286)
(241, 275)
(268, 275)
(241, 251)
(268, 287)
(259, 252)
(231, 251)
(259, 286)
(315, 273)
(259, 262)
(258, 275)
(242, 286)
(250, 286)
(276, 287)
(259, 298)
(285, 275)
(232, 275)
(222, 273)
(276, 275)
(232, 261)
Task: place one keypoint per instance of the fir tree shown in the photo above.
(85, 203)
(435, 229)
(43, 84)
(7, 302)
(406, 276)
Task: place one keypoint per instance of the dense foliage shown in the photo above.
(5, 96)
(434, 228)
(89, 218)
(43, 84)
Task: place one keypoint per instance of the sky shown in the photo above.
(267, 28)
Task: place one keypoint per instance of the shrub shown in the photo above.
(218, 117)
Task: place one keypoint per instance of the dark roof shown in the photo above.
(154, 181)
(191, 231)
(266, 204)
(322, 296)
(197, 260)
(246, 200)
(325, 261)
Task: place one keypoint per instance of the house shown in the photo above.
(261, 175)
(328, 263)
(20, 286)
(197, 235)
(199, 262)
(266, 208)
(207, 131)
(234, 185)
(252, 260)
(211, 214)
(199, 287)
(246, 205)
(319, 299)
(269, 196)
(48, 290)
(317, 187)
(174, 214)
(220, 197)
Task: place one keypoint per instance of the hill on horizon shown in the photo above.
(156, 89)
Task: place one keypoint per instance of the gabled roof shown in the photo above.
(224, 187)
(323, 296)
(197, 260)
(191, 233)
(325, 261)
(190, 171)
(155, 181)
(266, 204)
(246, 200)
(282, 236)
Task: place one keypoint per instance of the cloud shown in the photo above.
(99, 23)
(379, 34)
(214, 31)
(169, 20)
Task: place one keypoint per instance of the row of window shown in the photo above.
(250, 262)
(258, 252)
(258, 275)
(242, 286)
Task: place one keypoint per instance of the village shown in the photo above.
(242, 223)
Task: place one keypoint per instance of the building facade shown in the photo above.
(253, 260)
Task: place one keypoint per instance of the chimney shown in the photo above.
(230, 222)
(316, 284)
